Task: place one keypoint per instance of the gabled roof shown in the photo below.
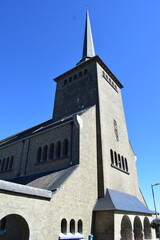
(115, 200)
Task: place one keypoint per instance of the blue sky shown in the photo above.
(40, 39)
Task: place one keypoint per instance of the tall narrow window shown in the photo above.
(39, 154)
(126, 164)
(3, 165)
(58, 149)
(51, 151)
(45, 150)
(72, 226)
(123, 165)
(115, 157)
(65, 147)
(80, 226)
(85, 71)
(112, 158)
(119, 161)
(64, 226)
(11, 163)
(7, 164)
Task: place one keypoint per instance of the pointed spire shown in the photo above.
(88, 46)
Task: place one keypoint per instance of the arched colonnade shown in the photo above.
(136, 228)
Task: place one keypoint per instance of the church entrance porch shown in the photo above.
(110, 225)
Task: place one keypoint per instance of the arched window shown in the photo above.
(126, 164)
(72, 226)
(65, 147)
(115, 157)
(80, 226)
(85, 71)
(75, 76)
(58, 149)
(112, 158)
(64, 226)
(51, 151)
(3, 164)
(123, 165)
(45, 151)
(119, 161)
(11, 163)
(39, 154)
(7, 164)
(80, 74)
(65, 81)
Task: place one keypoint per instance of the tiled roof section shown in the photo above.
(115, 200)
(47, 180)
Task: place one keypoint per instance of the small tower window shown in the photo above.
(75, 76)
(80, 74)
(85, 71)
(65, 81)
(70, 79)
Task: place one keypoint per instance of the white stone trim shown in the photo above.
(19, 188)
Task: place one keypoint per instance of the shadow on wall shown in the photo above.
(13, 227)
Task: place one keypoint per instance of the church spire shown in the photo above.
(88, 46)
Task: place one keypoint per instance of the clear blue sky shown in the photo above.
(41, 39)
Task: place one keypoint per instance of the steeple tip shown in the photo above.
(88, 45)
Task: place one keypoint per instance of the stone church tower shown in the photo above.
(77, 170)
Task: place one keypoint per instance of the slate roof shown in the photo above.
(115, 200)
(40, 128)
(47, 180)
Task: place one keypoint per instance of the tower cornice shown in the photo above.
(83, 64)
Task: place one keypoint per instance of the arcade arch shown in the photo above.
(13, 227)
(126, 228)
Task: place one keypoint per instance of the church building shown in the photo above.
(74, 176)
